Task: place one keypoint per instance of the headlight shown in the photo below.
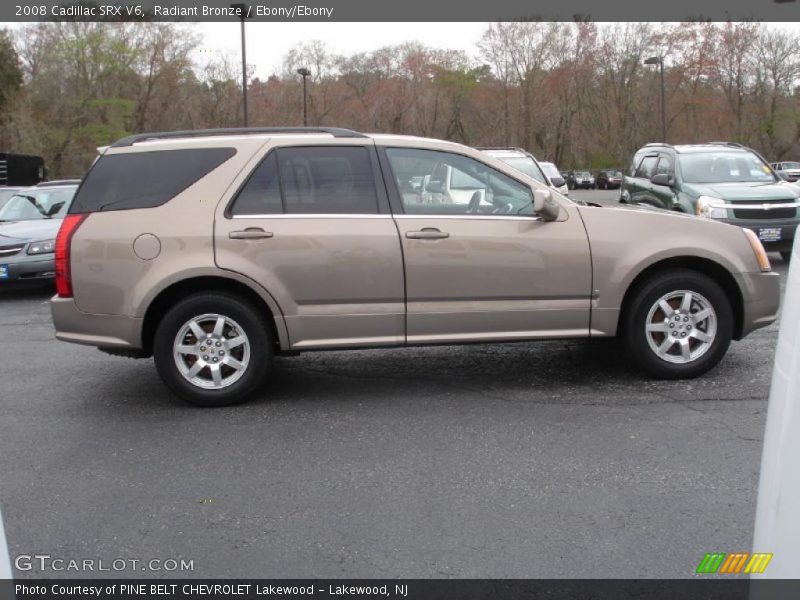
(711, 208)
(44, 247)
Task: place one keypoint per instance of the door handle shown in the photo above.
(427, 233)
(251, 233)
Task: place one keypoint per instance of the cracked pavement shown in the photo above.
(549, 459)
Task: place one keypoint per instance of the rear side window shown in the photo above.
(145, 179)
(310, 180)
(327, 180)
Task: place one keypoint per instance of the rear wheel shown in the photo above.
(678, 324)
(787, 256)
(213, 349)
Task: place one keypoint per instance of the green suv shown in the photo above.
(720, 180)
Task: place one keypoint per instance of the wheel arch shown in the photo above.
(177, 290)
(715, 271)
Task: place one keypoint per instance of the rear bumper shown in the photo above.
(761, 293)
(103, 331)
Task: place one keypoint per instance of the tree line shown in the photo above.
(578, 94)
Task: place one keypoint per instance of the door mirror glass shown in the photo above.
(662, 179)
(557, 181)
(544, 205)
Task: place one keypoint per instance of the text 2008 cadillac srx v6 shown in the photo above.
(214, 250)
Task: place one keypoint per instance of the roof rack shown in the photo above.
(732, 144)
(168, 135)
(511, 148)
(659, 144)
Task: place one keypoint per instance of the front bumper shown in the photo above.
(788, 229)
(761, 293)
(23, 268)
(103, 331)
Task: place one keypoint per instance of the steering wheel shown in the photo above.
(474, 202)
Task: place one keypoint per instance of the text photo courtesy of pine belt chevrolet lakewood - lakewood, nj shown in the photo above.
(315, 300)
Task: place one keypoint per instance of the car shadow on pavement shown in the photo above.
(26, 292)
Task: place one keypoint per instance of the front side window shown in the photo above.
(724, 167)
(648, 167)
(434, 182)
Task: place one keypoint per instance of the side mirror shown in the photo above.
(783, 175)
(557, 181)
(544, 205)
(662, 179)
(435, 187)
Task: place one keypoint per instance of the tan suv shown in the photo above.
(215, 250)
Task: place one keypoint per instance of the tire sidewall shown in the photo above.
(252, 322)
(646, 296)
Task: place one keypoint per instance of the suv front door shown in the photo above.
(311, 226)
(486, 267)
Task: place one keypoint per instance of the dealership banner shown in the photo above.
(409, 589)
(408, 10)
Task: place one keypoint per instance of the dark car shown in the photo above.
(29, 223)
(724, 181)
(609, 179)
(21, 169)
(580, 179)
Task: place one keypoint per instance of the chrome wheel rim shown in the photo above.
(681, 327)
(211, 351)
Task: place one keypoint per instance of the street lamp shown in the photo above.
(659, 60)
(242, 11)
(304, 73)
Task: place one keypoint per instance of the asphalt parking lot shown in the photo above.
(550, 459)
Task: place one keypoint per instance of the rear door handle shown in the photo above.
(427, 233)
(251, 233)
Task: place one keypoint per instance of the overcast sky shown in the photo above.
(268, 43)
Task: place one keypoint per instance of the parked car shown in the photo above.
(580, 179)
(721, 181)
(29, 222)
(243, 244)
(609, 179)
(787, 170)
(525, 162)
(6, 194)
(555, 175)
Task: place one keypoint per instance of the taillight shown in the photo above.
(68, 228)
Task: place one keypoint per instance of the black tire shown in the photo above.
(645, 297)
(251, 321)
(787, 256)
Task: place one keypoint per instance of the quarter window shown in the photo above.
(433, 182)
(664, 166)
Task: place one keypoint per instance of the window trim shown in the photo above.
(381, 198)
(396, 201)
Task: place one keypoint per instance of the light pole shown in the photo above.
(242, 8)
(304, 73)
(659, 60)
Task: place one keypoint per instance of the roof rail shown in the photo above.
(732, 144)
(512, 148)
(661, 144)
(168, 135)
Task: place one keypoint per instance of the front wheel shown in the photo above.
(787, 256)
(678, 324)
(213, 349)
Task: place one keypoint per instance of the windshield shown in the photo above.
(5, 195)
(526, 165)
(33, 204)
(550, 169)
(582, 174)
(724, 167)
(791, 165)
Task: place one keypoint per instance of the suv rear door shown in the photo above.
(486, 268)
(312, 226)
